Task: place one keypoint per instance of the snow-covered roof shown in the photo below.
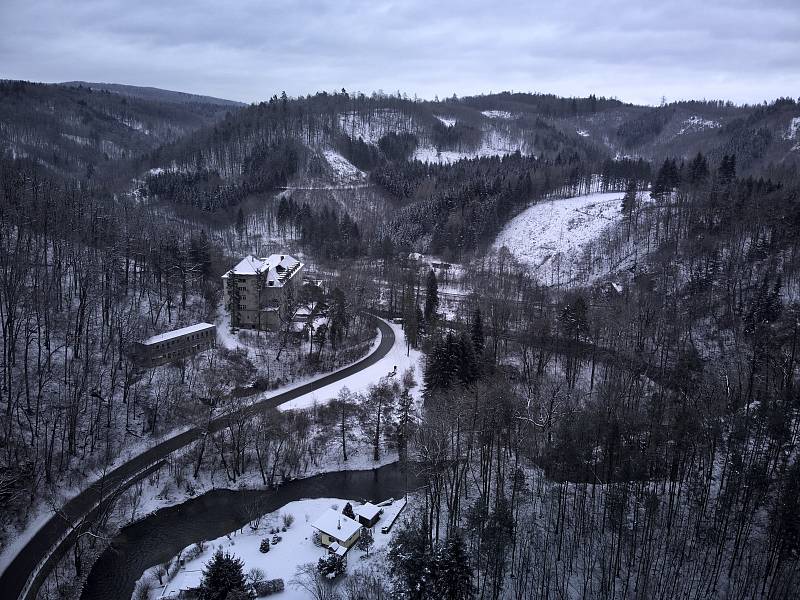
(368, 510)
(336, 525)
(338, 549)
(277, 267)
(169, 335)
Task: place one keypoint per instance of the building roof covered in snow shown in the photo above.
(278, 268)
(169, 335)
(368, 510)
(336, 525)
(338, 549)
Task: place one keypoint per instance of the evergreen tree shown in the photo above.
(629, 200)
(698, 170)
(240, 223)
(476, 333)
(467, 366)
(338, 317)
(347, 511)
(331, 566)
(629, 203)
(454, 574)
(223, 574)
(727, 168)
(366, 540)
(412, 564)
(431, 297)
(442, 365)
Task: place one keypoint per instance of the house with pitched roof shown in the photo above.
(257, 290)
(337, 528)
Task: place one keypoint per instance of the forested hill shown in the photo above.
(153, 93)
(77, 131)
(759, 135)
(371, 130)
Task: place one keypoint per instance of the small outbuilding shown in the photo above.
(334, 527)
(368, 514)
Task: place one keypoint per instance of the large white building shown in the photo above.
(256, 290)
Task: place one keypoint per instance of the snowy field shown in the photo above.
(550, 236)
(295, 548)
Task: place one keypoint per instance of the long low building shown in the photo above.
(174, 345)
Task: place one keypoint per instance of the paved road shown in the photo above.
(14, 579)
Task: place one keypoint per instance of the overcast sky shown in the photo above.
(638, 51)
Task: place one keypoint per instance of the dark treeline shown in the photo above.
(548, 105)
(324, 233)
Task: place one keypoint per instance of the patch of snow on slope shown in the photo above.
(373, 127)
(794, 128)
(497, 114)
(582, 133)
(77, 139)
(493, 143)
(551, 236)
(696, 123)
(344, 171)
(448, 122)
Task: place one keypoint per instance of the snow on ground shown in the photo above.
(77, 139)
(344, 171)
(372, 128)
(696, 123)
(448, 121)
(294, 549)
(792, 132)
(359, 382)
(493, 143)
(497, 114)
(551, 235)
(582, 133)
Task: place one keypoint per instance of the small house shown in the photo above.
(334, 527)
(368, 514)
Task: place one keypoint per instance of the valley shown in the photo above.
(584, 360)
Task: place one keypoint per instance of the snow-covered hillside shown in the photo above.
(550, 237)
(344, 171)
(696, 123)
(372, 127)
(497, 114)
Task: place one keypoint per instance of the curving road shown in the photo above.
(61, 529)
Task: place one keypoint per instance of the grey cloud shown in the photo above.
(247, 49)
